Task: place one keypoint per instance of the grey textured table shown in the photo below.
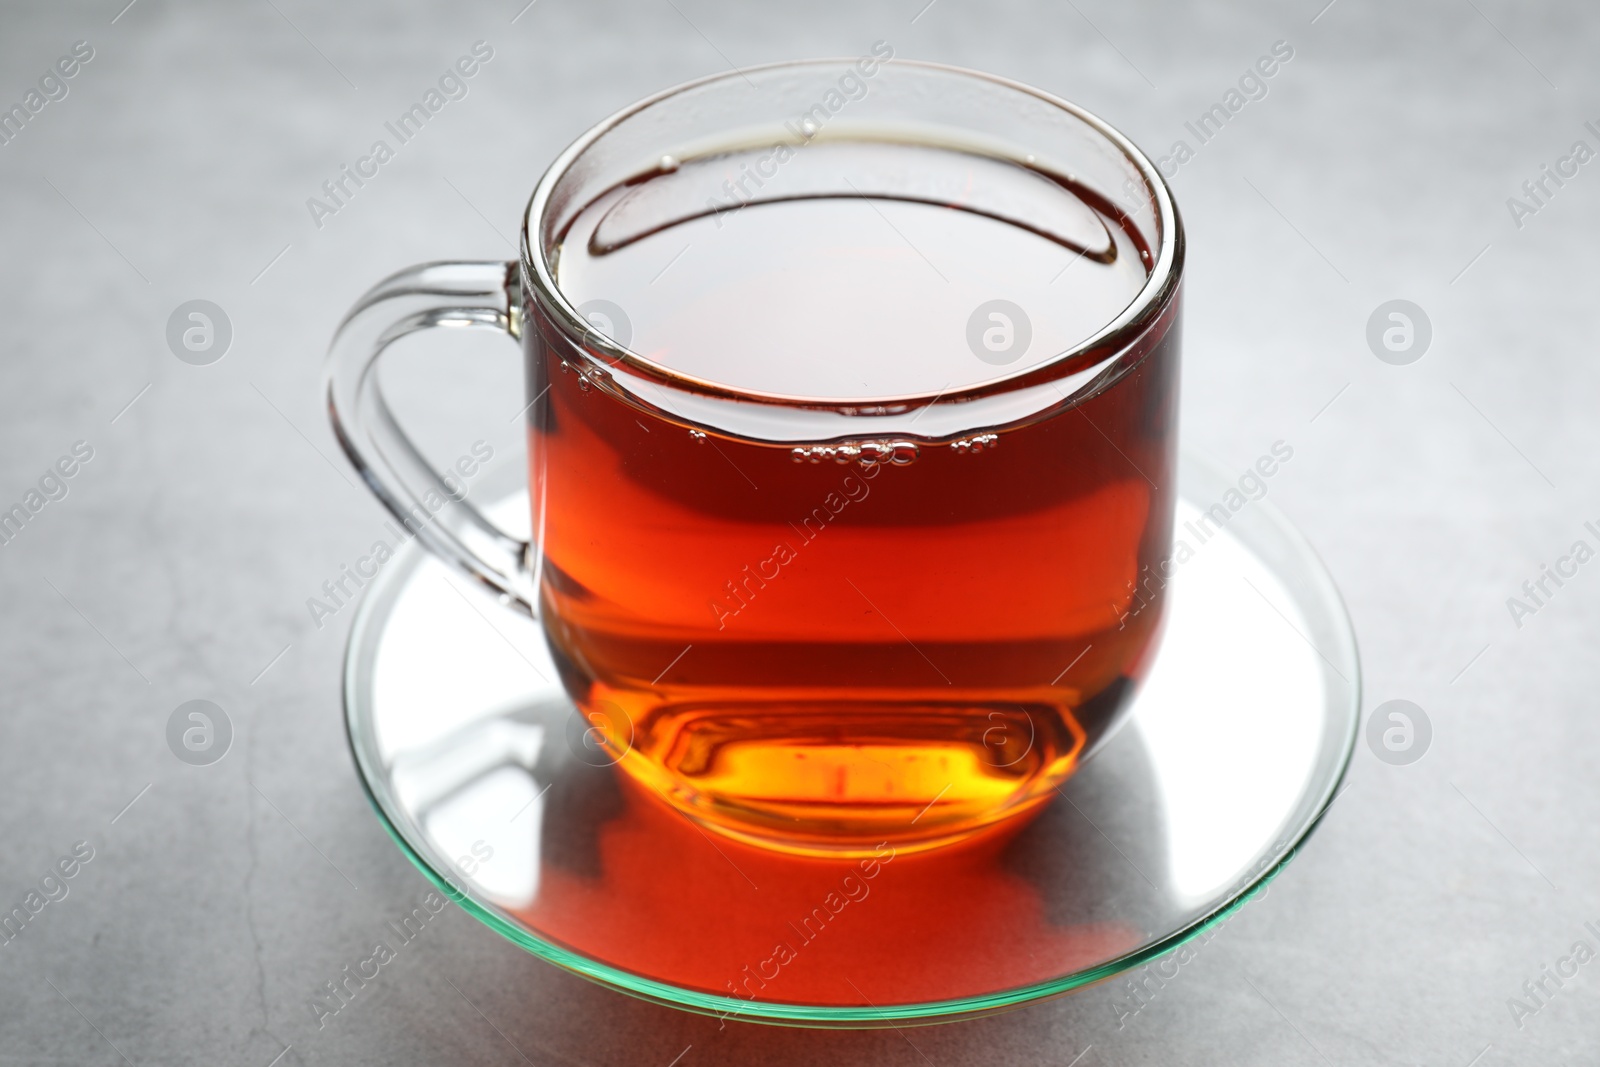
(219, 899)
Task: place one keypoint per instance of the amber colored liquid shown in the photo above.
(820, 656)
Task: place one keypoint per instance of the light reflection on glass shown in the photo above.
(1226, 792)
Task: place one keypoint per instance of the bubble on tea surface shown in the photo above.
(903, 453)
(999, 332)
(600, 736)
(861, 453)
(976, 443)
(1399, 732)
(199, 332)
(606, 319)
(1399, 332)
(199, 732)
(897, 453)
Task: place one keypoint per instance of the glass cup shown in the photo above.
(817, 601)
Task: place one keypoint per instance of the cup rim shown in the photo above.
(1120, 334)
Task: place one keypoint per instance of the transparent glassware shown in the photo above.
(668, 722)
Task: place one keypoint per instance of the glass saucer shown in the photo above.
(477, 765)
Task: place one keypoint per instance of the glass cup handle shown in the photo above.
(477, 295)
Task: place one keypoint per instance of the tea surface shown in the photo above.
(814, 287)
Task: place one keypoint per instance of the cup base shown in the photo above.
(841, 778)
